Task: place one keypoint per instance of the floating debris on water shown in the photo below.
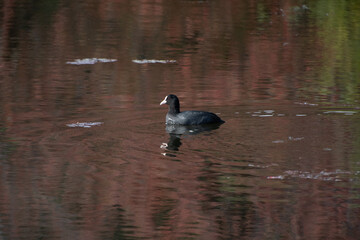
(144, 61)
(84, 124)
(85, 61)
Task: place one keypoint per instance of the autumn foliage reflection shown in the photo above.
(112, 180)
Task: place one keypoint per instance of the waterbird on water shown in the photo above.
(174, 116)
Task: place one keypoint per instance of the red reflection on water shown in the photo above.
(112, 181)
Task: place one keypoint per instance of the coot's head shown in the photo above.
(173, 102)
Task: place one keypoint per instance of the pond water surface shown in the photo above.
(85, 152)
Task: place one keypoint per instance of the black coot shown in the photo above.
(174, 116)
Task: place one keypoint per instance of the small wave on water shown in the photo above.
(306, 104)
(145, 61)
(336, 176)
(85, 61)
(84, 124)
(290, 138)
(341, 112)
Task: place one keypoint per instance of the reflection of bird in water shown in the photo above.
(173, 144)
(176, 131)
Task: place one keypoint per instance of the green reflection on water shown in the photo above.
(338, 36)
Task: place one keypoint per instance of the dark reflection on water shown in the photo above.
(81, 132)
(176, 131)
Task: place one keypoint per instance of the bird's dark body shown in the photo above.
(174, 116)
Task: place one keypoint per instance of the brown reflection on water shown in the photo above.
(116, 180)
(225, 54)
(112, 181)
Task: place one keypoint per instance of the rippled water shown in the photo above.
(85, 152)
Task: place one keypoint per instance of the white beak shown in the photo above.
(164, 101)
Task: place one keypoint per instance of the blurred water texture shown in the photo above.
(84, 151)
